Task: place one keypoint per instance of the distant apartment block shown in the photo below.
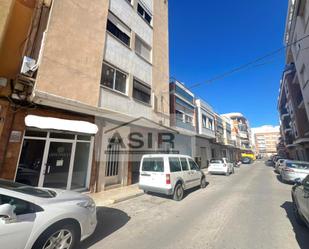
(266, 139)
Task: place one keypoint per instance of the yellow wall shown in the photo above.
(14, 36)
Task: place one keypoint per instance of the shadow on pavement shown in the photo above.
(301, 233)
(109, 221)
(269, 164)
(186, 193)
(283, 182)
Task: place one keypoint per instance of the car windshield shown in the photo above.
(298, 165)
(25, 189)
(216, 161)
(154, 164)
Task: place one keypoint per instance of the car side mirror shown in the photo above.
(298, 182)
(7, 214)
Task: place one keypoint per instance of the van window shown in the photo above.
(184, 164)
(155, 164)
(193, 165)
(175, 165)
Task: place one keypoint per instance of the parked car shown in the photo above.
(246, 160)
(221, 166)
(292, 170)
(170, 174)
(300, 197)
(43, 218)
(279, 165)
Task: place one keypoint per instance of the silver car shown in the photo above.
(292, 170)
(300, 196)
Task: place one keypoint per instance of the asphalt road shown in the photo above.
(250, 209)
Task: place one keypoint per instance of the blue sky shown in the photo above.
(208, 38)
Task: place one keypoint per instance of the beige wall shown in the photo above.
(73, 52)
(160, 69)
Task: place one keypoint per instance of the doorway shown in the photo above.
(55, 160)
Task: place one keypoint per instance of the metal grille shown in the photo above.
(112, 155)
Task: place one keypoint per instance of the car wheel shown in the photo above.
(178, 192)
(203, 182)
(297, 216)
(61, 235)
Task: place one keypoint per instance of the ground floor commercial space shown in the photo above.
(47, 147)
(299, 151)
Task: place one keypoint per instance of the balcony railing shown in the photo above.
(208, 132)
(187, 126)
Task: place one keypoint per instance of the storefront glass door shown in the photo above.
(55, 160)
(57, 166)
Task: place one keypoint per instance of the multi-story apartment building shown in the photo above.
(74, 89)
(293, 100)
(266, 139)
(182, 108)
(241, 132)
(206, 133)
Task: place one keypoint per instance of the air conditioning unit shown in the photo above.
(28, 66)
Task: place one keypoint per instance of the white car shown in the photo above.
(39, 218)
(221, 166)
(279, 165)
(292, 170)
(170, 174)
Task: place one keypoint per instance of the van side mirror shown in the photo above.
(7, 214)
(298, 182)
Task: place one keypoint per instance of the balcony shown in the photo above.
(209, 133)
(186, 126)
(299, 101)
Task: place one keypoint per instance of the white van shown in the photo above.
(170, 174)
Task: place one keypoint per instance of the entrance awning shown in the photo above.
(49, 123)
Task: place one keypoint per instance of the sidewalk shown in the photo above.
(112, 196)
(109, 197)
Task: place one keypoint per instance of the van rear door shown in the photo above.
(152, 172)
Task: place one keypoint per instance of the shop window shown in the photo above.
(142, 49)
(118, 29)
(141, 92)
(144, 13)
(113, 78)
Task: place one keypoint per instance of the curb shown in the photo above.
(125, 198)
(114, 201)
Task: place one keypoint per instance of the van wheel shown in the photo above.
(203, 182)
(178, 192)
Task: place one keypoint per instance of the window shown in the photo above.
(175, 165)
(179, 115)
(155, 164)
(141, 92)
(144, 14)
(142, 49)
(188, 119)
(118, 29)
(193, 165)
(184, 164)
(204, 121)
(113, 78)
(21, 206)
